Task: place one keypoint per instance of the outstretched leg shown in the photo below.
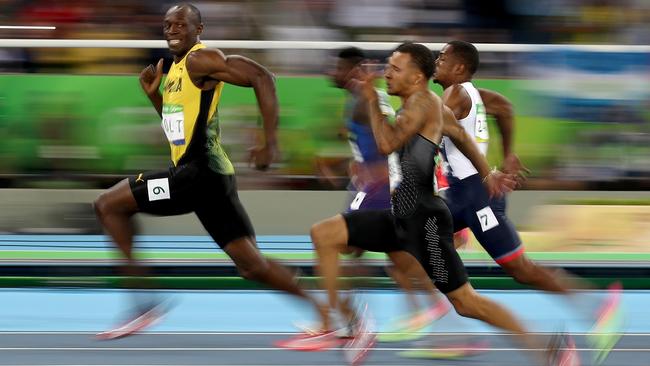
(252, 265)
(470, 304)
(527, 272)
(114, 209)
(409, 273)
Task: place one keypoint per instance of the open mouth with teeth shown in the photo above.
(173, 42)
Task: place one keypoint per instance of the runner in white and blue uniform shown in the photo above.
(466, 197)
(469, 202)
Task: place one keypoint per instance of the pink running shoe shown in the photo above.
(610, 305)
(607, 330)
(440, 309)
(356, 349)
(311, 342)
(566, 353)
(140, 322)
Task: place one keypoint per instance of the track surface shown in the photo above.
(56, 327)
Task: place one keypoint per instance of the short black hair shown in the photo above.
(421, 55)
(193, 10)
(352, 54)
(467, 53)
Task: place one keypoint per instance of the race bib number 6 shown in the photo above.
(173, 124)
(158, 189)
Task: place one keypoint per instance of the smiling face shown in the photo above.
(400, 73)
(181, 29)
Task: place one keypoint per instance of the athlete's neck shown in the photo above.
(177, 58)
(462, 80)
(456, 81)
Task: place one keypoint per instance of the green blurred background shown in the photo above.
(105, 125)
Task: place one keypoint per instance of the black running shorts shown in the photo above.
(427, 234)
(193, 187)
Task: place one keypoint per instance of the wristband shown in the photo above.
(494, 170)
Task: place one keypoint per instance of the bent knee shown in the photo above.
(468, 303)
(102, 205)
(329, 233)
(318, 233)
(463, 307)
(117, 199)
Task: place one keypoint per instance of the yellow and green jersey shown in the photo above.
(190, 119)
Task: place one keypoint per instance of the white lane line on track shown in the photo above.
(266, 349)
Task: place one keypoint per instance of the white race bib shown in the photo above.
(486, 218)
(158, 189)
(358, 199)
(481, 126)
(173, 123)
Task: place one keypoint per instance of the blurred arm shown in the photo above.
(498, 106)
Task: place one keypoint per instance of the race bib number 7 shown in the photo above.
(173, 124)
(487, 218)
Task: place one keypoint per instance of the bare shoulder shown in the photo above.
(495, 103)
(423, 99)
(456, 92)
(491, 95)
(205, 60)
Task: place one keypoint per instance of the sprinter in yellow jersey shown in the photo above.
(201, 177)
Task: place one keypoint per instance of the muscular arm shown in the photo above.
(464, 142)
(499, 107)
(206, 67)
(410, 121)
(150, 79)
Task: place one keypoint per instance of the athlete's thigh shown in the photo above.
(428, 236)
(492, 228)
(220, 210)
(456, 199)
(372, 230)
(166, 192)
